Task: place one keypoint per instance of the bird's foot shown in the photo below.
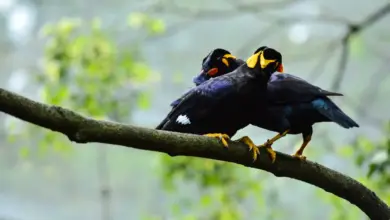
(222, 137)
(299, 156)
(252, 147)
(271, 152)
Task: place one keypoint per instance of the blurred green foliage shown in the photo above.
(373, 159)
(376, 156)
(223, 187)
(84, 70)
(141, 20)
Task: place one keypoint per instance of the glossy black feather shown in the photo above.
(210, 61)
(222, 104)
(284, 88)
(295, 104)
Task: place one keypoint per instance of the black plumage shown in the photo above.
(223, 105)
(218, 62)
(294, 105)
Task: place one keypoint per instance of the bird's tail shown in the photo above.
(335, 114)
(328, 93)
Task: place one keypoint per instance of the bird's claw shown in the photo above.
(255, 151)
(299, 156)
(270, 151)
(222, 137)
(252, 147)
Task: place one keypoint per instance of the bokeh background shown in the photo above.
(127, 60)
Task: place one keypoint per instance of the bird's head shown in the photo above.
(218, 62)
(266, 59)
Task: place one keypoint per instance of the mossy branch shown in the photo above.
(81, 129)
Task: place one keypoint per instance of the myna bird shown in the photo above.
(294, 105)
(218, 62)
(223, 105)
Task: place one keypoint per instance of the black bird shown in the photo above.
(223, 105)
(294, 105)
(218, 62)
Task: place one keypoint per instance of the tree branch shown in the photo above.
(354, 29)
(342, 63)
(81, 129)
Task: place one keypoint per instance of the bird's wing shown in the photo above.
(177, 101)
(198, 103)
(285, 88)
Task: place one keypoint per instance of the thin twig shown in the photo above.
(353, 30)
(342, 63)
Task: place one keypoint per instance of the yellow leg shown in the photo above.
(269, 143)
(277, 137)
(299, 152)
(252, 147)
(222, 137)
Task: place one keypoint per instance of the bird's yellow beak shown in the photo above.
(259, 57)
